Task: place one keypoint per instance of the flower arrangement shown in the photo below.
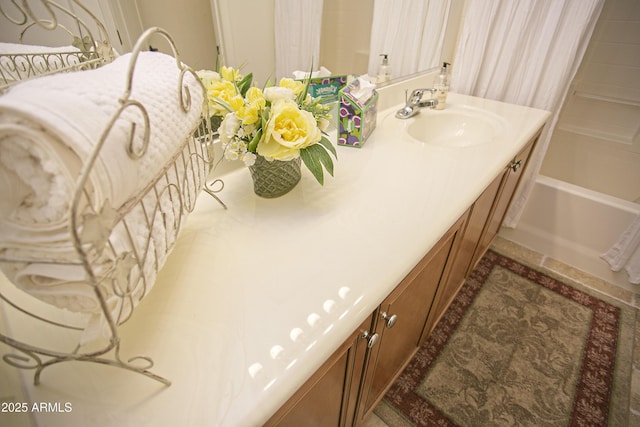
(279, 122)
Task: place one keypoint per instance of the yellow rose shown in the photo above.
(295, 85)
(288, 130)
(249, 113)
(225, 91)
(230, 74)
(254, 96)
(235, 102)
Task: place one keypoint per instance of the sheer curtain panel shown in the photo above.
(523, 52)
(297, 35)
(411, 32)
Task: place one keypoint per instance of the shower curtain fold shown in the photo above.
(524, 53)
(411, 32)
(298, 24)
(625, 253)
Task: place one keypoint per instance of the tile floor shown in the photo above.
(631, 298)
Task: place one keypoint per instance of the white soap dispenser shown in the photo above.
(384, 71)
(441, 85)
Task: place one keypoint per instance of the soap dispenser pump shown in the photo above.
(384, 71)
(441, 85)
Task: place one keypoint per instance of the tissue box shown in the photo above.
(327, 87)
(357, 120)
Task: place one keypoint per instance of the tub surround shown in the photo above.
(254, 299)
(574, 225)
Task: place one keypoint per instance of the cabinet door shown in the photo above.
(400, 322)
(463, 261)
(329, 397)
(512, 178)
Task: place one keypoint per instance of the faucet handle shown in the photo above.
(416, 95)
(414, 103)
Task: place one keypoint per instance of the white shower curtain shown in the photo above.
(297, 35)
(625, 253)
(523, 52)
(411, 32)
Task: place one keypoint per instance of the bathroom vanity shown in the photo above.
(308, 306)
(345, 390)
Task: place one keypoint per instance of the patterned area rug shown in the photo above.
(518, 347)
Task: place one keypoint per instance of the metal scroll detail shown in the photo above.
(89, 46)
(117, 273)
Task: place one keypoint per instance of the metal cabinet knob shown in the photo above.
(515, 165)
(372, 339)
(390, 319)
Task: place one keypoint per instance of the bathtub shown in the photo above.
(574, 225)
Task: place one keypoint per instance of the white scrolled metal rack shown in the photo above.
(178, 186)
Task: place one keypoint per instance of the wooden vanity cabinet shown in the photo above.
(330, 396)
(462, 263)
(401, 322)
(484, 219)
(346, 389)
(510, 181)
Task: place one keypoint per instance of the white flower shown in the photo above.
(230, 153)
(247, 131)
(275, 93)
(228, 128)
(249, 158)
(208, 75)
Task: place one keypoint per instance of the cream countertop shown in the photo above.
(255, 298)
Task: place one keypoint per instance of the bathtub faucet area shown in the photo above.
(414, 103)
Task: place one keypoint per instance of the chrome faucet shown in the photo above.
(414, 103)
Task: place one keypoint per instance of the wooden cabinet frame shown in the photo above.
(329, 397)
(348, 386)
(411, 301)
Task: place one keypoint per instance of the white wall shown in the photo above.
(122, 19)
(11, 33)
(346, 35)
(190, 24)
(596, 143)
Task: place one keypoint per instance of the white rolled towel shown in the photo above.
(62, 118)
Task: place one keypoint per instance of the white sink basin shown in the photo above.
(455, 126)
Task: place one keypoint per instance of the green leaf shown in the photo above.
(244, 84)
(315, 157)
(312, 164)
(223, 103)
(253, 145)
(303, 95)
(329, 146)
(324, 157)
(218, 61)
(265, 117)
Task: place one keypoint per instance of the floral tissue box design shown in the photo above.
(357, 120)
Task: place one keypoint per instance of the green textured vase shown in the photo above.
(274, 178)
